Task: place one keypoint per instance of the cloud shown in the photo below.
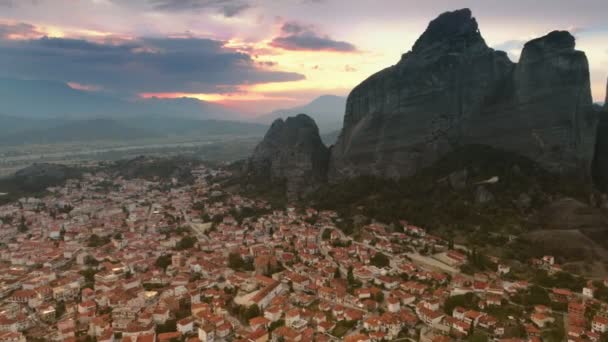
(228, 8)
(18, 30)
(15, 3)
(298, 37)
(190, 65)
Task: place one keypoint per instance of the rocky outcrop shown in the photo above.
(600, 160)
(292, 152)
(452, 89)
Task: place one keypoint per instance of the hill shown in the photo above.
(480, 196)
(34, 180)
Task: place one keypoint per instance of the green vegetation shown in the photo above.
(477, 262)
(380, 260)
(275, 193)
(163, 261)
(89, 277)
(478, 336)
(96, 241)
(237, 263)
(560, 280)
(427, 199)
(169, 326)
(275, 325)
(163, 169)
(342, 328)
(245, 313)
(536, 295)
(186, 242)
(467, 301)
(247, 212)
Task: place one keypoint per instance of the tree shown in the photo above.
(96, 241)
(235, 261)
(337, 274)
(163, 261)
(326, 234)
(59, 309)
(90, 261)
(380, 260)
(186, 242)
(251, 312)
(379, 297)
(23, 225)
(466, 301)
(350, 277)
(478, 337)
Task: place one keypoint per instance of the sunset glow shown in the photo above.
(265, 54)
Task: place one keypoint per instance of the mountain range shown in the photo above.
(41, 111)
(41, 99)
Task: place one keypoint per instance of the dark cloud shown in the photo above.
(229, 8)
(145, 65)
(296, 36)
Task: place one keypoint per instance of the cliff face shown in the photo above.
(452, 89)
(600, 161)
(292, 152)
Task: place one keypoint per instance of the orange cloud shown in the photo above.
(84, 87)
(218, 98)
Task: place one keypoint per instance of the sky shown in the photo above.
(259, 55)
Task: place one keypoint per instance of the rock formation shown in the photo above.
(600, 160)
(292, 151)
(452, 89)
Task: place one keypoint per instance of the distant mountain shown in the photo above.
(51, 99)
(326, 110)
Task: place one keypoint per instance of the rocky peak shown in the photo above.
(452, 89)
(554, 41)
(457, 26)
(292, 152)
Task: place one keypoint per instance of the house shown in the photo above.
(258, 336)
(273, 313)
(185, 325)
(259, 323)
(428, 316)
(206, 333)
(394, 304)
(169, 336)
(599, 324)
(588, 291)
(503, 269)
(286, 334)
(541, 320)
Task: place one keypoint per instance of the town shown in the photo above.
(104, 259)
